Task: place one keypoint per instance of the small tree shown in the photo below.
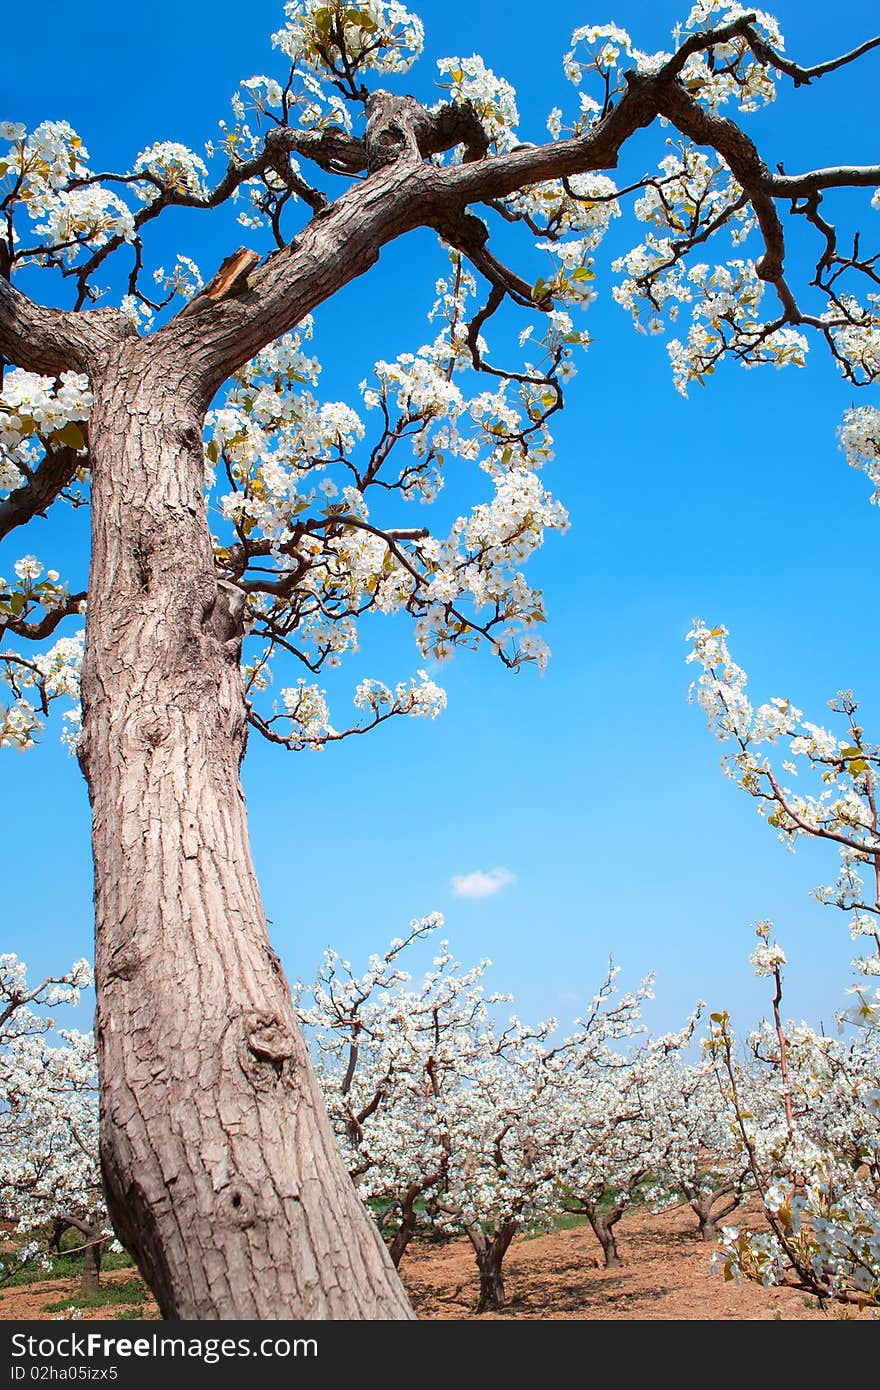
(617, 1099)
(806, 1116)
(520, 1130)
(438, 1110)
(388, 1057)
(49, 1172)
(815, 1155)
(504, 1131)
(701, 1162)
(206, 1089)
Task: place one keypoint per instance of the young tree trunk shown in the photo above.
(707, 1229)
(222, 1174)
(490, 1254)
(92, 1245)
(702, 1208)
(406, 1230)
(90, 1279)
(603, 1229)
(707, 1218)
(491, 1283)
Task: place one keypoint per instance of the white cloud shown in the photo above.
(481, 885)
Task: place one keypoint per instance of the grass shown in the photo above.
(568, 1220)
(129, 1291)
(67, 1265)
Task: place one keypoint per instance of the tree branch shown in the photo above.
(37, 632)
(52, 341)
(50, 478)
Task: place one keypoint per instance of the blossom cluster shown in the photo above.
(39, 412)
(719, 73)
(731, 71)
(860, 441)
(312, 498)
(378, 35)
(48, 1106)
(844, 766)
(490, 97)
(37, 679)
(804, 1113)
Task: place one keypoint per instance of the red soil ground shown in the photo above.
(664, 1275)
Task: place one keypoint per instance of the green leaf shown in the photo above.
(363, 19)
(16, 604)
(583, 273)
(72, 436)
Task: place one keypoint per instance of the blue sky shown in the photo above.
(597, 785)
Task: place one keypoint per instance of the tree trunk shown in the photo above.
(405, 1231)
(223, 1177)
(604, 1233)
(92, 1246)
(490, 1262)
(706, 1227)
(708, 1231)
(491, 1283)
(707, 1217)
(90, 1279)
(59, 1226)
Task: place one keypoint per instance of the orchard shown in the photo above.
(263, 1153)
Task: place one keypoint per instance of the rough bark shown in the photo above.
(603, 1230)
(222, 1175)
(708, 1231)
(403, 1235)
(490, 1252)
(707, 1217)
(92, 1248)
(90, 1279)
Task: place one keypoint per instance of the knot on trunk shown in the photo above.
(268, 1037)
(151, 729)
(239, 1206)
(400, 127)
(395, 128)
(224, 616)
(269, 1044)
(125, 962)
